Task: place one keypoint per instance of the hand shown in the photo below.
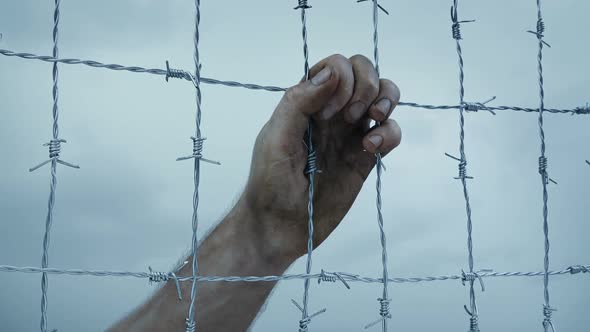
(341, 98)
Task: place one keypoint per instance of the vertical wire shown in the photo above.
(53, 183)
(379, 164)
(311, 176)
(190, 321)
(462, 175)
(547, 323)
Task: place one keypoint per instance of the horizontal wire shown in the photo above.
(574, 269)
(251, 86)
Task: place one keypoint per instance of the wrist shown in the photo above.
(272, 242)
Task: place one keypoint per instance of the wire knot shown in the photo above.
(54, 147)
(462, 167)
(547, 313)
(176, 73)
(473, 276)
(383, 312)
(191, 326)
(306, 319)
(540, 27)
(311, 166)
(474, 323)
(575, 269)
(456, 27)
(302, 4)
(156, 277)
(54, 151)
(540, 31)
(582, 110)
(198, 151)
(332, 277)
(474, 107)
(384, 308)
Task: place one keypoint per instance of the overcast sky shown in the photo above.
(129, 206)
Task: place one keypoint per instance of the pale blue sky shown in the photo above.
(129, 206)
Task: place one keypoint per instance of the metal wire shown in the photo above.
(310, 170)
(547, 309)
(472, 311)
(469, 277)
(582, 110)
(384, 300)
(349, 277)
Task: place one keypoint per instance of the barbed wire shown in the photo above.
(384, 300)
(581, 110)
(539, 33)
(349, 277)
(471, 275)
(466, 277)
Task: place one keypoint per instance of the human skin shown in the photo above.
(266, 231)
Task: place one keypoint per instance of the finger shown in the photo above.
(386, 101)
(383, 138)
(345, 76)
(305, 99)
(366, 88)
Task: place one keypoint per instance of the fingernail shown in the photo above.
(356, 110)
(322, 77)
(383, 106)
(376, 140)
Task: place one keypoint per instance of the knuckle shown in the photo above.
(392, 88)
(293, 93)
(359, 58)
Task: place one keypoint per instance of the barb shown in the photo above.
(462, 167)
(383, 312)
(456, 27)
(575, 269)
(588, 162)
(547, 313)
(378, 5)
(472, 276)
(474, 107)
(198, 151)
(305, 320)
(332, 277)
(54, 151)
(582, 110)
(158, 277)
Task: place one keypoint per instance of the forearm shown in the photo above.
(235, 248)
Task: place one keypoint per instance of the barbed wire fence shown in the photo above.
(468, 277)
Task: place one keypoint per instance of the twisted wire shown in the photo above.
(54, 149)
(582, 110)
(310, 170)
(571, 270)
(384, 311)
(463, 166)
(197, 147)
(547, 309)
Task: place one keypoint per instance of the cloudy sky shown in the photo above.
(129, 206)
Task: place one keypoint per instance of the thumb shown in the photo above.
(302, 101)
